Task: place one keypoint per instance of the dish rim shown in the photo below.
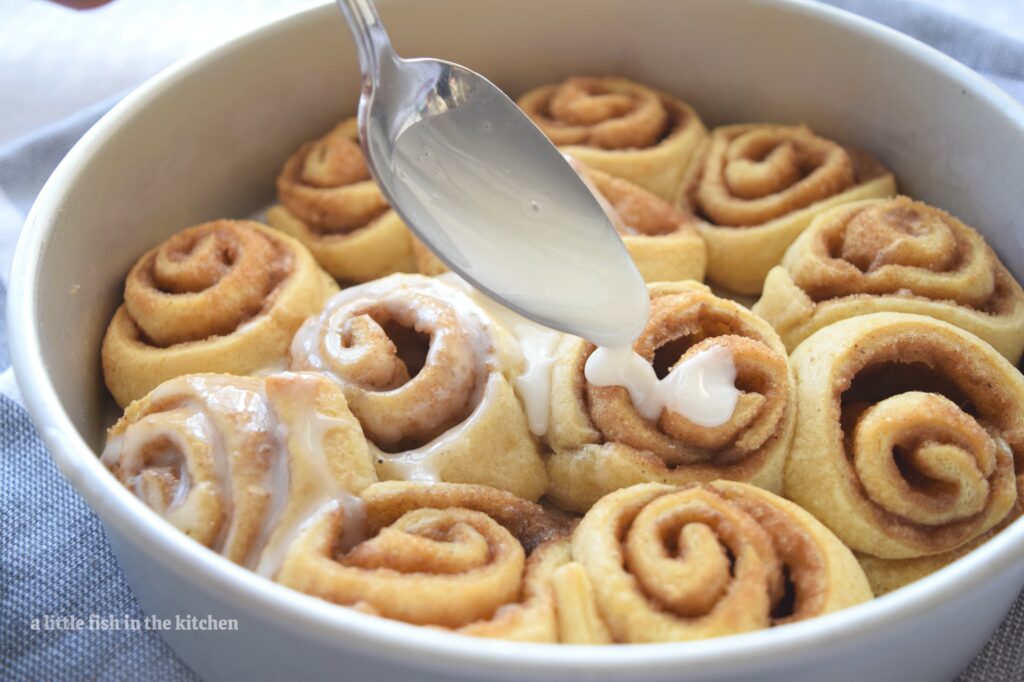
(149, 533)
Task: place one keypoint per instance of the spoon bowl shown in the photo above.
(477, 181)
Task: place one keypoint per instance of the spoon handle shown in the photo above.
(372, 42)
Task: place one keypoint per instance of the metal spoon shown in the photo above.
(485, 190)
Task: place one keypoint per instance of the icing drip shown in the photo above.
(537, 347)
(701, 388)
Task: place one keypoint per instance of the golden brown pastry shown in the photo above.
(907, 435)
(330, 203)
(661, 564)
(662, 241)
(240, 463)
(886, 575)
(468, 558)
(895, 255)
(756, 187)
(429, 375)
(620, 127)
(602, 443)
(225, 296)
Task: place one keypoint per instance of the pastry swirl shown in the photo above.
(895, 255)
(662, 241)
(428, 375)
(620, 127)
(224, 296)
(756, 187)
(330, 203)
(602, 442)
(907, 435)
(669, 563)
(467, 558)
(238, 463)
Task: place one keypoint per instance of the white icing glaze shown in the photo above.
(701, 388)
(282, 522)
(420, 464)
(537, 346)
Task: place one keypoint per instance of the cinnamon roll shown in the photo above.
(467, 558)
(664, 563)
(603, 442)
(895, 255)
(620, 127)
(429, 375)
(224, 296)
(910, 436)
(662, 241)
(239, 464)
(756, 187)
(330, 203)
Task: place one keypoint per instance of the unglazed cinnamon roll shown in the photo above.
(240, 463)
(467, 558)
(893, 255)
(664, 563)
(428, 374)
(756, 187)
(910, 437)
(662, 241)
(225, 296)
(602, 442)
(330, 203)
(619, 127)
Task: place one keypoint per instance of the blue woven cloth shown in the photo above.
(54, 557)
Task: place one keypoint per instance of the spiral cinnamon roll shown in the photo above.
(330, 203)
(428, 374)
(895, 255)
(602, 441)
(620, 127)
(756, 187)
(224, 296)
(669, 563)
(662, 241)
(909, 436)
(240, 463)
(467, 558)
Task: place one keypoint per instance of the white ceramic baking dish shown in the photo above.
(206, 138)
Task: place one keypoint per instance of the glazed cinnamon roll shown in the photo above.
(662, 241)
(225, 296)
(756, 187)
(895, 255)
(429, 375)
(620, 127)
(240, 463)
(330, 203)
(467, 558)
(910, 436)
(602, 441)
(664, 563)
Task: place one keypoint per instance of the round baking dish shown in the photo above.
(205, 139)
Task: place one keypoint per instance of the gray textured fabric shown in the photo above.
(54, 557)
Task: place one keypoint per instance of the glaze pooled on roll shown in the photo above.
(604, 438)
(429, 375)
(241, 464)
